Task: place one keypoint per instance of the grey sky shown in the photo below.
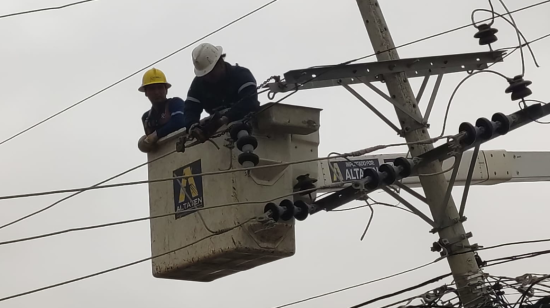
(51, 60)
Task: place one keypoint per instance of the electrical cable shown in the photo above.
(403, 291)
(137, 72)
(162, 215)
(211, 33)
(375, 203)
(126, 265)
(443, 33)
(81, 190)
(492, 10)
(357, 285)
(518, 31)
(456, 89)
(46, 9)
(370, 219)
(518, 35)
(524, 101)
(345, 155)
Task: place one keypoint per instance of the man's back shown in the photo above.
(237, 90)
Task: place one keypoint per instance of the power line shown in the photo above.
(126, 265)
(358, 285)
(403, 291)
(46, 9)
(122, 222)
(137, 72)
(269, 3)
(83, 190)
(212, 173)
(447, 32)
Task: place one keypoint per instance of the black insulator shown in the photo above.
(471, 133)
(391, 174)
(236, 128)
(374, 181)
(288, 208)
(305, 183)
(276, 211)
(241, 142)
(519, 88)
(251, 157)
(486, 34)
(488, 128)
(503, 123)
(302, 210)
(405, 164)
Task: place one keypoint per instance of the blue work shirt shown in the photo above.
(237, 91)
(165, 120)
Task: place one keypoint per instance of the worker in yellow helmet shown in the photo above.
(165, 115)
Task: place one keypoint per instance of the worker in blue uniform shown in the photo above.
(165, 115)
(217, 86)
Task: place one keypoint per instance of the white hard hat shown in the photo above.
(205, 56)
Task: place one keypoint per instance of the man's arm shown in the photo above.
(143, 119)
(193, 106)
(176, 109)
(247, 98)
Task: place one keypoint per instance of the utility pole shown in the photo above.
(435, 186)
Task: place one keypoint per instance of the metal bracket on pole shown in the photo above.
(410, 206)
(443, 208)
(432, 98)
(422, 88)
(412, 192)
(337, 75)
(392, 101)
(468, 181)
(373, 109)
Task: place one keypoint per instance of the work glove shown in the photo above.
(211, 126)
(198, 133)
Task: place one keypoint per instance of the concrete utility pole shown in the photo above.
(435, 187)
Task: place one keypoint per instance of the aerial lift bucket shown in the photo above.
(284, 133)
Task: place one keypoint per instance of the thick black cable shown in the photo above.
(125, 265)
(357, 285)
(46, 9)
(425, 283)
(137, 72)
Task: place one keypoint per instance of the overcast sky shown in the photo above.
(52, 59)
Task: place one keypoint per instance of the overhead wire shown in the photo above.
(81, 190)
(122, 222)
(126, 265)
(358, 285)
(138, 71)
(212, 173)
(519, 32)
(518, 36)
(219, 29)
(456, 89)
(403, 291)
(46, 9)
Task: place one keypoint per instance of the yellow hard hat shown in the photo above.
(153, 76)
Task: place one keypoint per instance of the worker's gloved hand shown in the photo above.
(198, 133)
(211, 126)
